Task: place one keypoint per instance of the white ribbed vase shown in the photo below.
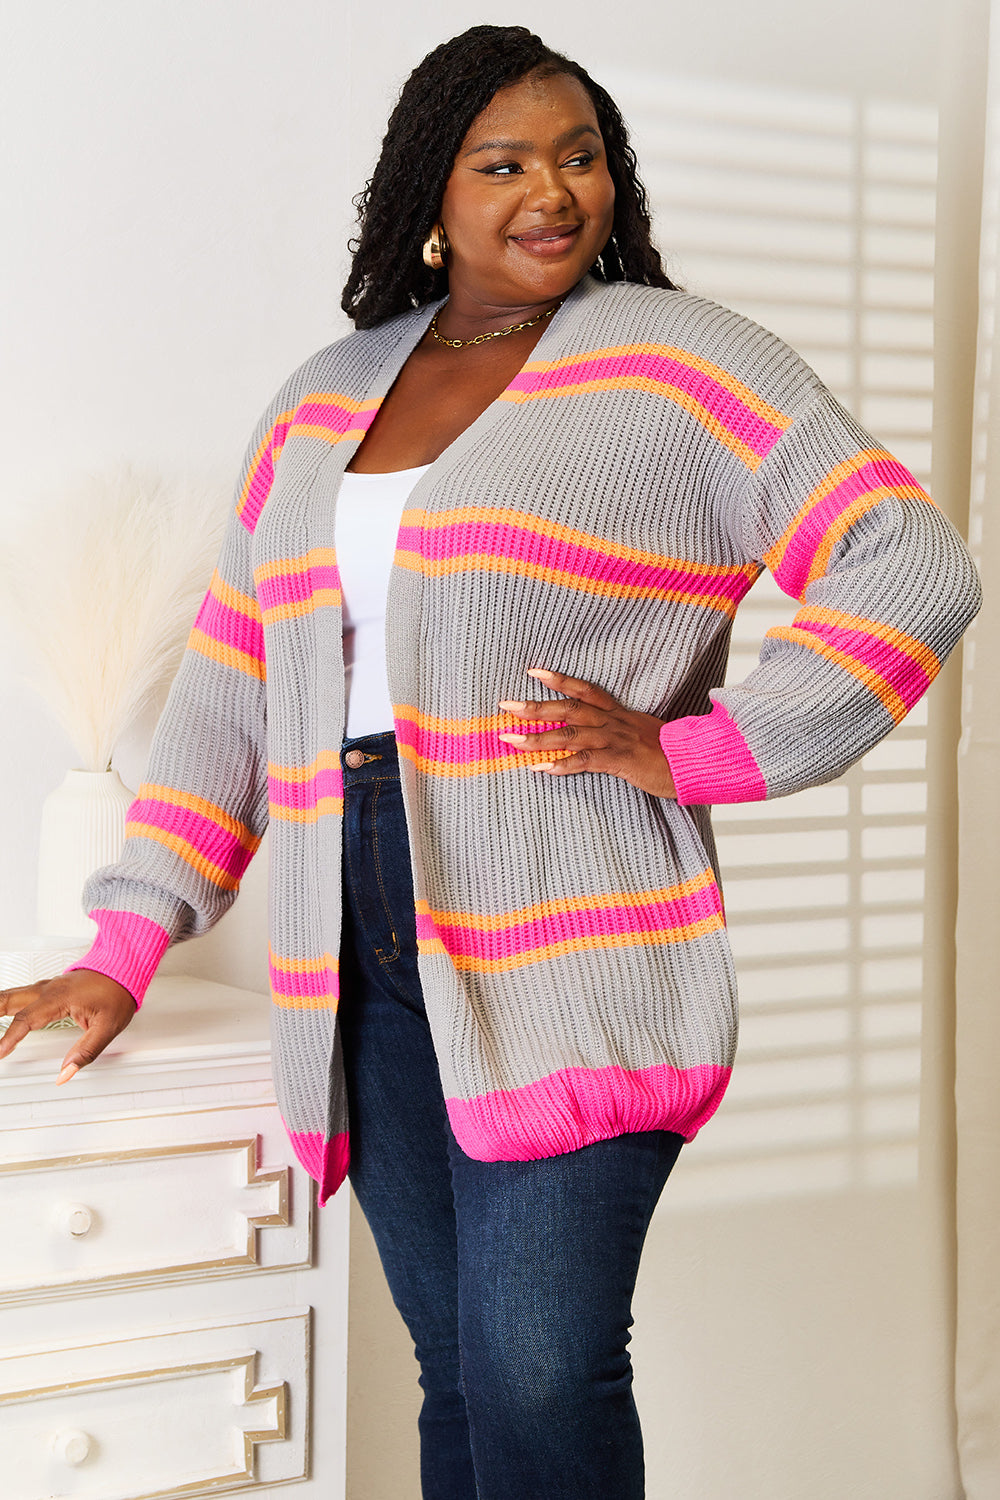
(83, 828)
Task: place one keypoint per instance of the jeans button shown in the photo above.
(354, 759)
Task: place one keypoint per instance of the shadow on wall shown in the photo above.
(814, 215)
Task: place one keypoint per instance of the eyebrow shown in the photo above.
(560, 140)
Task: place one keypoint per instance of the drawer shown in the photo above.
(192, 1202)
(193, 1410)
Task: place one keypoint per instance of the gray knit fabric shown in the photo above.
(601, 519)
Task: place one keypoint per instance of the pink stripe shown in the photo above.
(230, 627)
(259, 484)
(897, 668)
(792, 572)
(336, 420)
(462, 749)
(326, 1161)
(577, 1106)
(202, 833)
(257, 492)
(297, 587)
(744, 423)
(319, 984)
(304, 795)
(607, 921)
(710, 760)
(426, 927)
(127, 948)
(523, 544)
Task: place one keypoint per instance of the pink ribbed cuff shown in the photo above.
(710, 760)
(127, 948)
(325, 1160)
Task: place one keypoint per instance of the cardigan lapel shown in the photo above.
(410, 328)
(558, 335)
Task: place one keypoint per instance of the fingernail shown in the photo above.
(538, 672)
(68, 1072)
(541, 765)
(513, 739)
(512, 705)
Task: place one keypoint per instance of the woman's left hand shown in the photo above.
(599, 732)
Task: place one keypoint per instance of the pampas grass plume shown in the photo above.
(102, 586)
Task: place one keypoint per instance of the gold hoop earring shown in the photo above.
(435, 248)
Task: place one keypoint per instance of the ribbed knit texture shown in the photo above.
(603, 518)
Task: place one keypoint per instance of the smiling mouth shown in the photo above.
(551, 240)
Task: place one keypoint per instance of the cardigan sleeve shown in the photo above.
(202, 810)
(886, 587)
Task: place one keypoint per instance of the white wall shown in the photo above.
(182, 175)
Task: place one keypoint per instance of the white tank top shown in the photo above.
(368, 515)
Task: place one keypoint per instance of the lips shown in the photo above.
(548, 239)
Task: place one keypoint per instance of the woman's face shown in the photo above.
(530, 203)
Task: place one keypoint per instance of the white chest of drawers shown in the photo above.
(173, 1307)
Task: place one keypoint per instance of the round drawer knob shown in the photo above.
(71, 1446)
(75, 1219)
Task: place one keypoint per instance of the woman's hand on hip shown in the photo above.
(598, 732)
(100, 1006)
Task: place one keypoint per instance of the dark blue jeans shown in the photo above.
(515, 1279)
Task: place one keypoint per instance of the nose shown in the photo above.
(546, 191)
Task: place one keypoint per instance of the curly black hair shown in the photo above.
(437, 104)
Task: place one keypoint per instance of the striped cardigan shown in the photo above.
(603, 517)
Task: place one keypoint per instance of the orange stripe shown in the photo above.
(255, 462)
(283, 567)
(237, 830)
(481, 767)
(319, 599)
(540, 909)
(315, 429)
(227, 656)
(334, 398)
(489, 563)
(683, 356)
(871, 680)
(327, 760)
(655, 388)
(539, 526)
(485, 724)
(303, 1002)
(187, 852)
(303, 965)
(853, 512)
(836, 476)
(430, 945)
(481, 725)
(243, 604)
(918, 651)
(325, 807)
(585, 944)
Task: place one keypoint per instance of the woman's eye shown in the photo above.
(514, 168)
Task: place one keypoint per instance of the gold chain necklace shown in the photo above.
(499, 333)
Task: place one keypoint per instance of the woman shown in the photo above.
(578, 471)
